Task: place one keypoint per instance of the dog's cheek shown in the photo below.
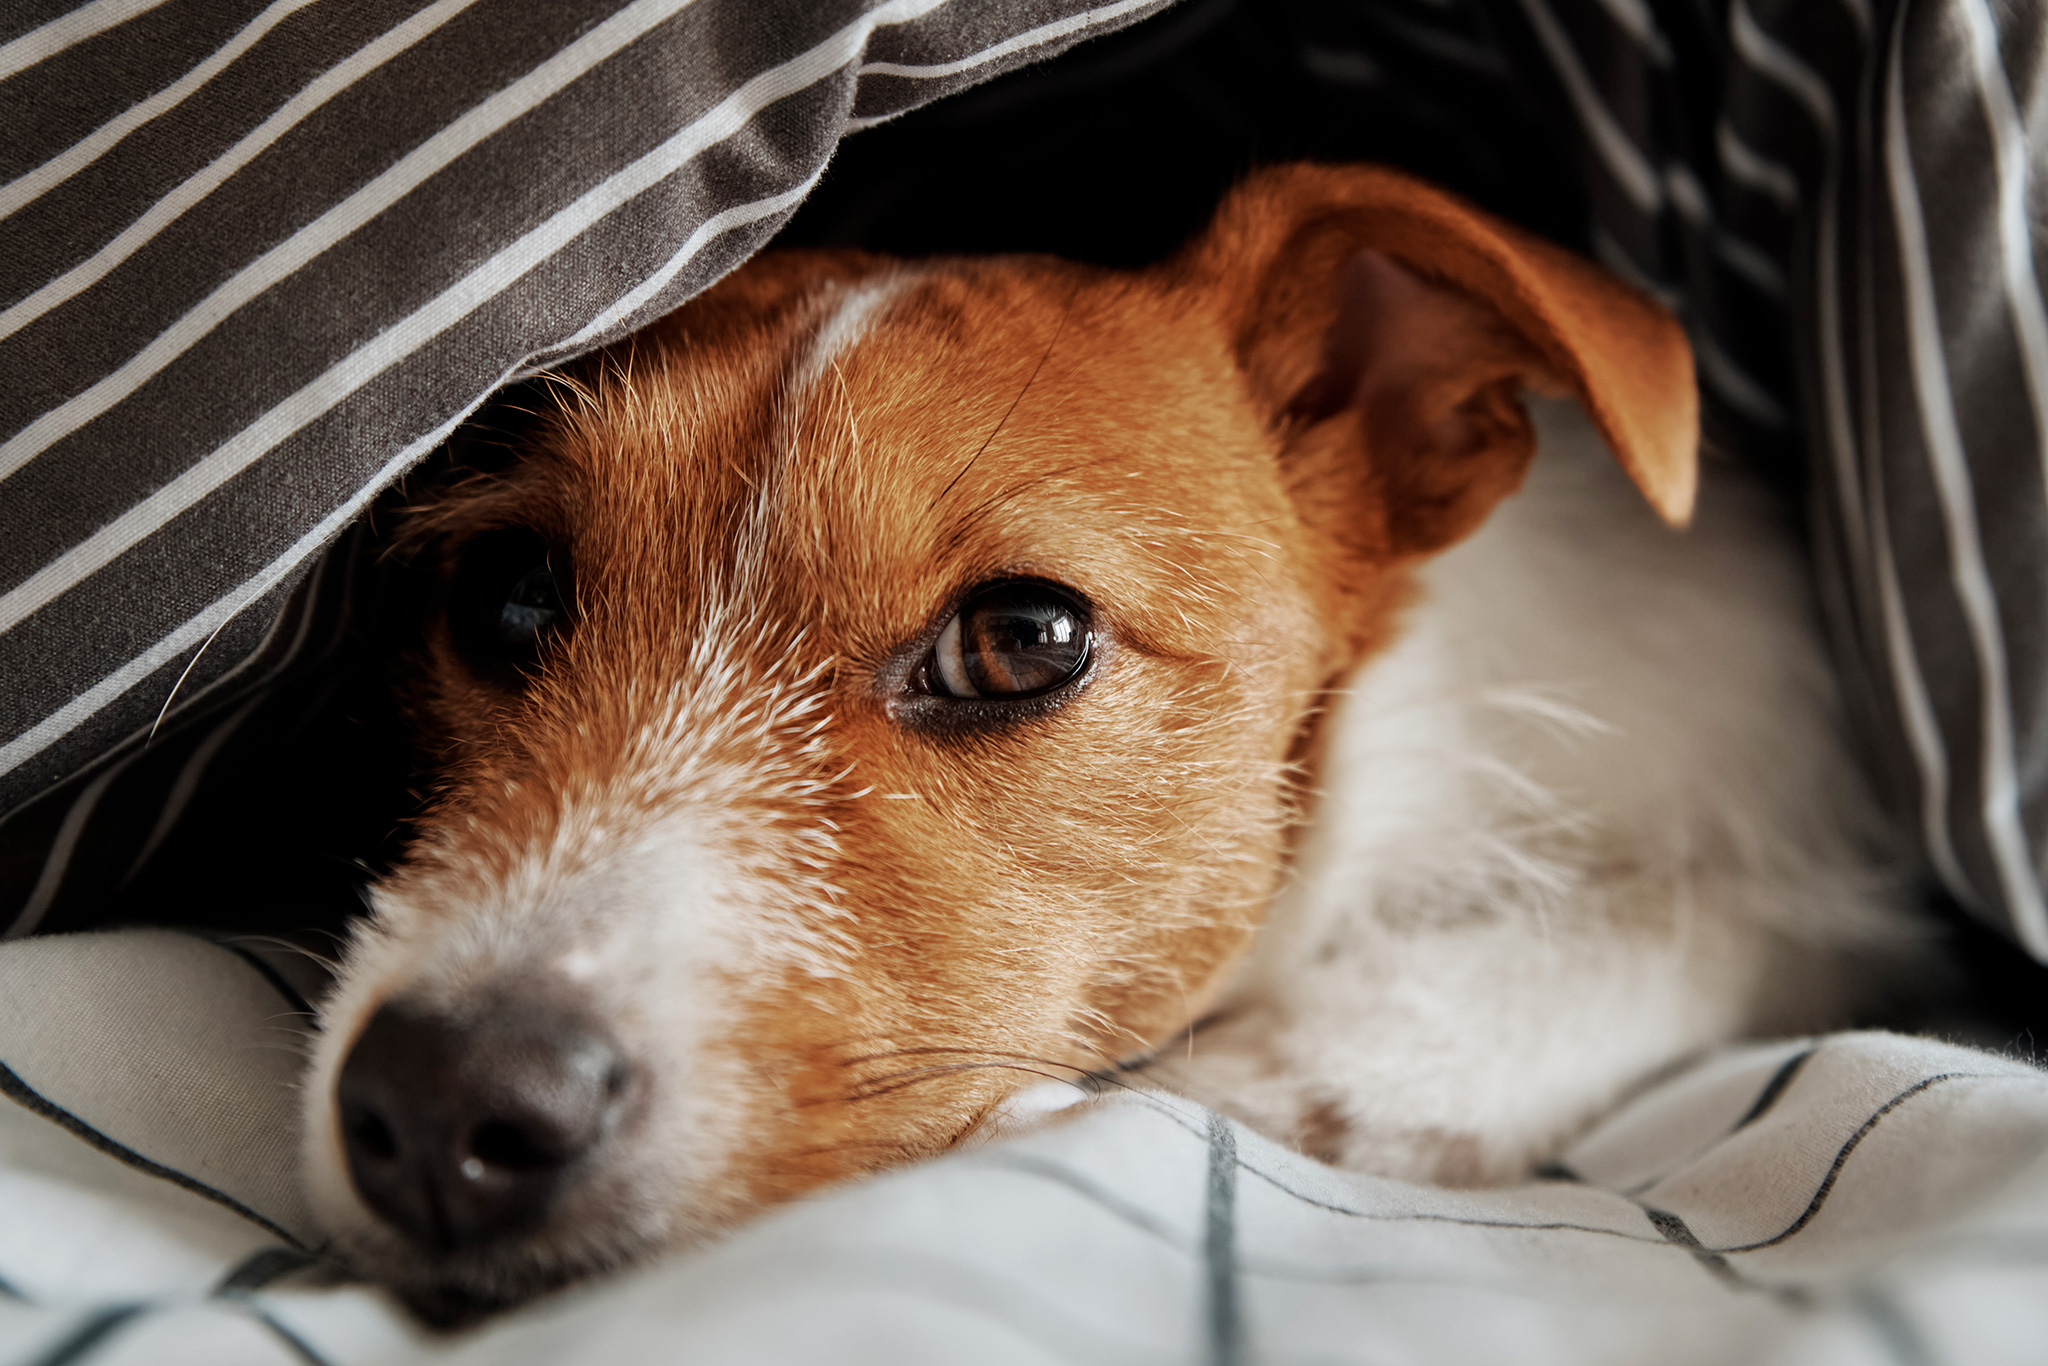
(1195, 813)
(686, 1163)
(815, 1080)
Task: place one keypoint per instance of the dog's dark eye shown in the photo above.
(531, 609)
(1009, 641)
(510, 596)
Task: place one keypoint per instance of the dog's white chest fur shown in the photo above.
(1590, 812)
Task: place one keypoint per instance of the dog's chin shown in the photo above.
(451, 1306)
(457, 1290)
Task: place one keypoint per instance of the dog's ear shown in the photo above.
(1386, 330)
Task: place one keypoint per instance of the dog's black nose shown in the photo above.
(462, 1129)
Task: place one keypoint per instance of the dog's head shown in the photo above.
(879, 686)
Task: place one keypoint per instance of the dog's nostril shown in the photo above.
(369, 1134)
(461, 1130)
(511, 1147)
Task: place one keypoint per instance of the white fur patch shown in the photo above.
(1570, 823)
(690, 861)
(859, 309)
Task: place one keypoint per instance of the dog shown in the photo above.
(880, 685)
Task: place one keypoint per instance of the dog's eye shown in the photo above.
(1012, 640)
(531, 609)
(510, 596)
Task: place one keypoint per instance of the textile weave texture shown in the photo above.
(1859, 1198)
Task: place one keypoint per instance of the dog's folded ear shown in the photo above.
(1367, 309)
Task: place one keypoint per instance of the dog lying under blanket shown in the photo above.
(881, 685)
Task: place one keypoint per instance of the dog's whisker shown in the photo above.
(895, 1082)
(1031, 379)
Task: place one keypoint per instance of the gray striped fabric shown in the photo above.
(1844, 194)
(255, 260)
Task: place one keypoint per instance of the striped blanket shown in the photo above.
(1862, 1198)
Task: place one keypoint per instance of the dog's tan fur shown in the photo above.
(1237, 458)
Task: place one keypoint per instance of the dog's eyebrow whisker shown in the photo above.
(1066, 312)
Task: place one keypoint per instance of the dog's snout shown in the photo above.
(462, 1129)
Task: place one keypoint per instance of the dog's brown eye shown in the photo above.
(1014, 640)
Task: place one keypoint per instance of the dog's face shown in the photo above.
(877, 687)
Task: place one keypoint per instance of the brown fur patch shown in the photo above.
(1323, 1132)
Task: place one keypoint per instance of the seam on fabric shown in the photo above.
(98, 1326)
(1842, 1155)
(28, 1098)
(1773, 1090)
(1677, 1233)
(1030, 38)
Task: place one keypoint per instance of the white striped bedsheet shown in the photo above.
(1857, 1198)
